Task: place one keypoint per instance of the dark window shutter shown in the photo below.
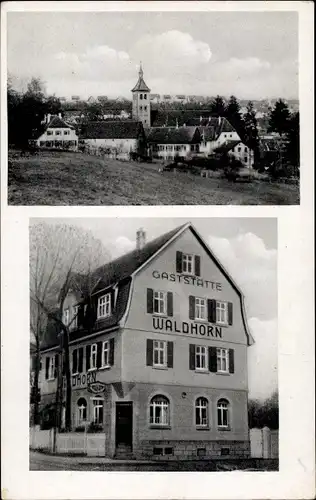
(211, 310)
(81, 315)
(212, 359)
(75, 361)
(94, 310)
(179, 262)
(230, 313)
(99, 354)
(88, 352)
(192, 356)
(170, 304)
(149, 352)
(80, 360)
(231, 361)
(56, 365)
(191, 307)
(111, 354)
(112, 301)
(197, 265)
(170, 354)
(47, 367)
(150, 300)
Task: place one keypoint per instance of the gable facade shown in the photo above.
(59, 135)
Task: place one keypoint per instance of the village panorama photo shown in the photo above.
(153, 344)
(153, 108)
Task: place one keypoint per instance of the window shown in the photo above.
(49, 132)
(169, 148)
(246, 149)
(223, 413)
(75, 317)
(66, 132)
(93, 357)
(200, 357)
(192, 147)
(141, 108)
(230, 135)
(221, 313)
(145, 97)
(239, 149)
(141, 96)
(97, 411)
(66, 317)
(187, 263)
(246, 159)
(82, 411)
(104, 306)
(159, 353)
(159, 411)
(106, 353)
(58, 132)
(50, 367)
(145, 108)
(160, 302)
(201, 412)
(200, 308)
(222, 360)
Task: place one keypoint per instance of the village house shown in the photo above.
(167, 143)
(239, 151)
(214, 132)
(118, 139)
(159, 356)
(58, 134)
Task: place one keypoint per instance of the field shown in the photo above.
(61, 178)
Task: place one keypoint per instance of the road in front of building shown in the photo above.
(41, 461)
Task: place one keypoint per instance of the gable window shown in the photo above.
(223, 414)
(200, 308)
(66, 317)
(201, 412)
(104, 306)
(160, 353)
(93, 357)
(221, 313)
(141, 96)
(145, 96)
(222, 360)
(51, 365)
(239, 149)
(97, 411)
(106, 353)
(75, 317)
(200, 357)
(159, 302)
(159, 411)
(188, 263)
(81, 411)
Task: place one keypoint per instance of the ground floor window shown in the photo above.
(223, 413)
(159, 411)
(201, 412)
(81, 411)
(97, 411)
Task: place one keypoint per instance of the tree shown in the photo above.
(62, 259)
(264, 413)
(233, 115)
(251, 136)
(293, 137)
(218, 106)
(279, 118)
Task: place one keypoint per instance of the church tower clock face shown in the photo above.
(141, 100)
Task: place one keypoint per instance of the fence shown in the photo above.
(264, 443)
(74, 442)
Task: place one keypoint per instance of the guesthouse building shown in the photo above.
(159, 355)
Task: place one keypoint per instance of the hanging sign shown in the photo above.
(96, 387)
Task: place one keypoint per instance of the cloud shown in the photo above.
(253, 267)
(123, 245)
(263, 358)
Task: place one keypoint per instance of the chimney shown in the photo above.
(140, 239)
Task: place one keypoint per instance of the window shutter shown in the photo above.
(99, 354)
(56, 365)
(212, 359)
(192, 356)
(179, 262)
(230, 313)
(150, 300)
(80, 360)
(111, 354)
(170, 304)
(94, 311)
(75, 361)
(211, 310)
(197, 265)
(231, 361)
(112, 301)
(80, 315)
(149, 352)
(88, 352)
(170, 354)
(47, 367)
(191, 307)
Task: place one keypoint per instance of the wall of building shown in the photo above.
(170, 151)
(122, 145)
(51, 135)
(141, 108)
(244, 154)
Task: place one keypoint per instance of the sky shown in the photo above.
(247, 247)
(253, 55)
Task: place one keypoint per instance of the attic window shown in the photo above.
(49, 132)
(104, 306)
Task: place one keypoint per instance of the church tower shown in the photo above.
(141, 100)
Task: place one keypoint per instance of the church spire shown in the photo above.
(141, 73)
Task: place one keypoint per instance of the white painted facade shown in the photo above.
(59, 138)
(170, 151)
(244, 154)
(207, 147)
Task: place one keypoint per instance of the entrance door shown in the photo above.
(124, 424)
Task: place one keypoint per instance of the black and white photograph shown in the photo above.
(146, 354)
(153, 108)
